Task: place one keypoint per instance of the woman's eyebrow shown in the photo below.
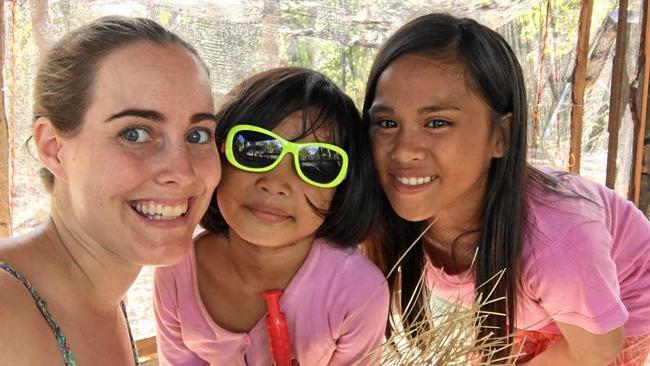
(203, 117)
(157, 116)
(141, 113)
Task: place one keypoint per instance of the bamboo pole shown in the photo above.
(642, 103)
(616, 100)
(5, 171)
(578, 88)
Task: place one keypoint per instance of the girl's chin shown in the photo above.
(411, 212)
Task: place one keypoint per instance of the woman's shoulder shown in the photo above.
(23, 329)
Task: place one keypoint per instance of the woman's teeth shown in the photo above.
(157, 211)
(415, 181)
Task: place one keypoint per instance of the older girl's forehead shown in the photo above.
(417, 81)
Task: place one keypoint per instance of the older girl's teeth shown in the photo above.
(414, 181)
(177, 211)
(158, 211)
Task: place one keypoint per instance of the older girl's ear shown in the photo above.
(501, 136)
(48, 143)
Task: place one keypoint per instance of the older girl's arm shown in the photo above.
(580, 347)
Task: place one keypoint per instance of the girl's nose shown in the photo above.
(278, 180)
(406, 147)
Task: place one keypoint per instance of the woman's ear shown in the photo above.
(501, 136)
(48, 143)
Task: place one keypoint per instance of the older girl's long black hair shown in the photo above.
(492, 72)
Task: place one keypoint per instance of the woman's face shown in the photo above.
(139, 174)
(272, 209)
(432, 139)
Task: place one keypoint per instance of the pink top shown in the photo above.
(336, 307)
(583, 264)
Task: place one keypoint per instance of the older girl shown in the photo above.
(446, 109)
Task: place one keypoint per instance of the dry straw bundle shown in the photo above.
(447, 333)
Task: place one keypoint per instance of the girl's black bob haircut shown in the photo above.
(267, 98)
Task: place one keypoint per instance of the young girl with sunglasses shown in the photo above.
(446, 110)
(295, 199)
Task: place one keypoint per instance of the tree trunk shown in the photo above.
(578, 88)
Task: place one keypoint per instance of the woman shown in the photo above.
(124, 127)
(446, 110)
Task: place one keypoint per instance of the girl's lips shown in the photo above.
(268, 213)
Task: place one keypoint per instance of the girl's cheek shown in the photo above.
(322, 197)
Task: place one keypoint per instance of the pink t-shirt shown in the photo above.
(336, 307)
(583, 264)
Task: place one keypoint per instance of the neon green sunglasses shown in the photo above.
(255, 149)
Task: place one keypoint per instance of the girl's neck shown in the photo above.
(265, 267)
(451, 243)
(462, 218)
(94, 276)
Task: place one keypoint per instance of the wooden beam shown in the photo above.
(578, 85)
(641, 197)
(5, 166)
(147, 348)
(617, 99)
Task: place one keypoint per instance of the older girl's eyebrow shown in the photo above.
(437, 108)
(379, 108)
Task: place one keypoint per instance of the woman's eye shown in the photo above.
(135, 135)
(386, 123)
(199, 137)
(437, 123)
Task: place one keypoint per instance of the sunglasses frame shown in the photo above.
(287, 147)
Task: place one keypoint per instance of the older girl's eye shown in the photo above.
(437, 123)
(135, 135)
(199, 136)
(385, 123)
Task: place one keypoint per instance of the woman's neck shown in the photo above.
(96, 277)
(266, 267)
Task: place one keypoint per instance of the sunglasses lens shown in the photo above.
(255, 150)
(320, 164)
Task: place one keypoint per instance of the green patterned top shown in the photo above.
(61, 340)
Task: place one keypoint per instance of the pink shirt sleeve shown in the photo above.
(171, 348)
(362, 310)
(575, 279)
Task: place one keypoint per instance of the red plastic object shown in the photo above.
(276, 326)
